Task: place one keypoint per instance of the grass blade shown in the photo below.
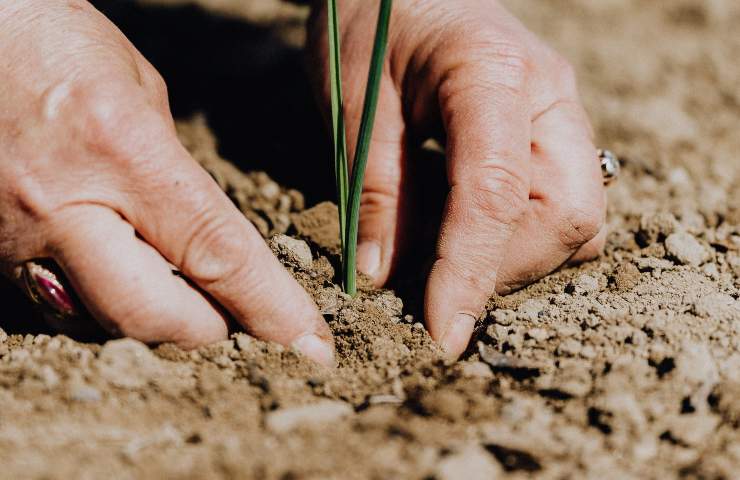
(363, 145)
(337, 119)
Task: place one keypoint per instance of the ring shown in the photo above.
(42, 281)
(610, 165)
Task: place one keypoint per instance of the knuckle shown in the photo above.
(500, 195)
(495, 66)
(101, 112)
(31, 198)
(115, 120)
(377, 199)
(512, 60)
(579, 223)
(125, 133)
(217, 251)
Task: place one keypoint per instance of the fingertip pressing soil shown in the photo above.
(625, 367)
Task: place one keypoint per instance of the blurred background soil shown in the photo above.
(627, 367)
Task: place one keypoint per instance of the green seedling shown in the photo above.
(349, 188)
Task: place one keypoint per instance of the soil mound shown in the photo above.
(625, 367)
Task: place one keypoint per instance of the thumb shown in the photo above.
(384, 200)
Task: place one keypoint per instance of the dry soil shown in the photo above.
(626, 367)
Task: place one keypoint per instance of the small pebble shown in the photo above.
(270, 190)
(284, 203)
(41, 339)
(538, 334)
(657, 226)
(626, 277)
(48, 376)
(506, 317)
(686, 249)
(586, 284)
(243, 341)
(293, 250)
(128, 363)
(476, 370)
(298, 203)
(469, 463)
(84, 394)
(315, 415)
(446, 404)
(384, 400)
(711, 271)
(532, 309)
(389, 303)
(570, 347)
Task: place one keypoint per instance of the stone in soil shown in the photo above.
(292, 251)
(686, 249)
(128, 363)
(471, 462)
(315, 415)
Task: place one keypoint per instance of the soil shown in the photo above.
(626, 367)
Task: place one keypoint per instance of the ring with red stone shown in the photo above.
(45, 288)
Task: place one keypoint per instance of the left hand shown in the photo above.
(526, 193)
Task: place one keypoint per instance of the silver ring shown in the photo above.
(45, 288)
(610, 165)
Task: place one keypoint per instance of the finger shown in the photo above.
(184, 214)
(126, 285)
(384, 201)
(567, 198)
(488, 138)
(591, 250)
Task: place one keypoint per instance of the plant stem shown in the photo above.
(363, 146)
(337, 115)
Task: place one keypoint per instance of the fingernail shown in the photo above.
(368, 258)
(316, 349)
(455, 339)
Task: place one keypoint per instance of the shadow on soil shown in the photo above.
(252, 88)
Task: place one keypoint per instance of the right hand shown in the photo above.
(93, 176)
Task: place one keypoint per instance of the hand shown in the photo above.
(525, 187)
(93, 176)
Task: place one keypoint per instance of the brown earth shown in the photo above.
(625, 367)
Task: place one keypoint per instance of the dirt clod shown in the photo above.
(127, 363)
(623, 367)
(293, 251)
(316, 415)
(686, 249)
(470, 463)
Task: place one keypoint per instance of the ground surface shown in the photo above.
(624, 367)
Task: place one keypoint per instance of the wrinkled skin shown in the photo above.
(525, 188)
(93, 176)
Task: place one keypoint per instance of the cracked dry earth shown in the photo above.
(626, 367)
